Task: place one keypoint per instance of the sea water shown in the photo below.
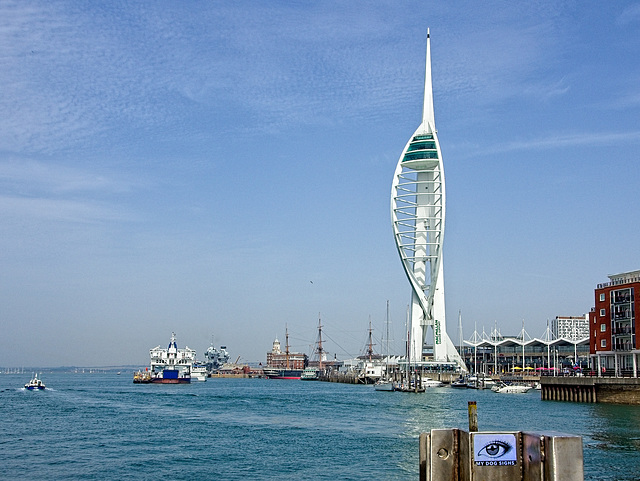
(102, 426)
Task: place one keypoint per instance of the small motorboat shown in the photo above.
(35, 383)
(428, 382)
(511, 388)
(384, 385)
(460, 382)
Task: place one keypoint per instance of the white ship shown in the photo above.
(198, 372)
(171, 365)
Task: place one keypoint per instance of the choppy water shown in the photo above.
(102, 426)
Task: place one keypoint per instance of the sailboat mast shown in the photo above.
(387, 333)
(370, 349)
(460, 333)
(408, 347)
(320, 350)
(286, 330)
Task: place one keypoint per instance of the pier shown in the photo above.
(613, 390)
(352, 377)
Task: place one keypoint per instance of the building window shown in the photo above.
(602, 312)
(602, 295)
(603, 343)
(603, 327)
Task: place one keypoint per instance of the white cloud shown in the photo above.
(27, 209)
(31, 176)
(568, 140)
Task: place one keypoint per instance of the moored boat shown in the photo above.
(459, 383)
(284, 365)
(279, 373)
(511, 388)
(409, 387)
(309, 374)
(35, 383)
(428, 382)
(384, 385)
(480, 381)
(198, 373)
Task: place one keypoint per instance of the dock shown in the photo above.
(353, 378)
(612, 390)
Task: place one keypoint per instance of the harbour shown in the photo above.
(101, 426)
(240, 188)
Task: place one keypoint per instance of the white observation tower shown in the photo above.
(417, 215)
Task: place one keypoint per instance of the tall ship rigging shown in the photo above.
(284, 365)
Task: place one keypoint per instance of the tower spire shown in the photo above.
(428, 117)
(418, 217)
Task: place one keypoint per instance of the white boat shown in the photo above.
(428, 382)
(481, 381)
(309, 374)
(384, 385)
(410, 387)
(35, 383)
(512, 389)
(198, 373)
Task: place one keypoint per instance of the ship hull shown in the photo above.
(274, 373)
(170, 376)
(180, 380)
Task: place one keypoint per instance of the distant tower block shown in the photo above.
(417, 215)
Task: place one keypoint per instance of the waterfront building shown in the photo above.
(276, 358)
(515, 354)
(570, 327)
(614, 346)
(418, 218)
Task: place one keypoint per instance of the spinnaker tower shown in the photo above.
(418, 218)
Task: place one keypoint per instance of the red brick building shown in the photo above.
(285, 360)
(614, 346)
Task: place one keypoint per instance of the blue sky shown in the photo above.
(224, 169)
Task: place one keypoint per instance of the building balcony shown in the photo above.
(626, 346)
(628, 330)
(617, 301)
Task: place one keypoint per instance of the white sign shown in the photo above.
(495, 449)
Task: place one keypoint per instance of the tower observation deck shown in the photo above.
(418, 218)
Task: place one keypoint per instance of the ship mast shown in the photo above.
(370, 349)
(286, 330)
(320, 350)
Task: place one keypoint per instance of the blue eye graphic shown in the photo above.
(495, 449)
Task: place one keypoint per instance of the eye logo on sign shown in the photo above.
(494, 449)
